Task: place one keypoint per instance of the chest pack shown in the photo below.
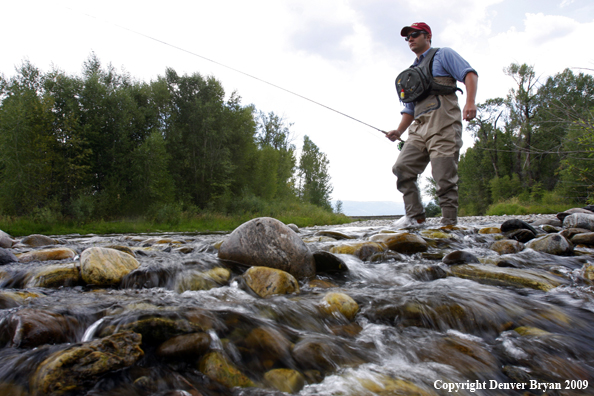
(416, 83)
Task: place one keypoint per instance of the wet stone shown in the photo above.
(37, 240)
(218, 368)
(507, 276)
(507, 246)
(267, 242)
(55, 276)
(516, 224)
(405, 243)
(580, 220)
(285, 380)
(521, 235)
(552, 244)
(583, 239)
(105, 267)
(47, 254)
(329, 262)
(266, 282)
(459, 257)
(339, 305)
(7, 257)
(29, 328)
(188, 346)
(5, 240)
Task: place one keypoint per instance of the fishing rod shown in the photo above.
(233, 69)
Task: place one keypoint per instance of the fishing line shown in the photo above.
(228, 67)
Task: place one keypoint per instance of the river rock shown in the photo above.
(5, 240)
(334, 234)
(507, 246)
(37, 240)
(267, 242)
(521, 235)
(29, 328)
(459, 257)
(552, 244)
(187, 346)
(267, 282)
(192, 280)
(550, 222)
(499, 276)
(218, 368)
(339, 305)
(105, 267)
(583, 239)
(285, 380)
(154, 328)
(79, 366)
(405, 243)
(579, 220)
(47, 254)
(7, 257)
(270, 345)
(54, 276)
(329, 262)
(561, 216)
(516, 224)
(489, 230)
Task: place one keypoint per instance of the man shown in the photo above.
(434, 131)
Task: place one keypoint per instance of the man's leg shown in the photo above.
(445, 174)
(411, 162)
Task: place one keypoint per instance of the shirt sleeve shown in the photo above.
(409, 108)
(448, 62)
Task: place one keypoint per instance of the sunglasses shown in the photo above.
(414, 34)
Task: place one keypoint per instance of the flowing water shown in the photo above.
(418, 331)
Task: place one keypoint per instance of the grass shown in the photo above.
(514, 206)
(185, 222)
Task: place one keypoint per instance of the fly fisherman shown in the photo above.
(434, 123)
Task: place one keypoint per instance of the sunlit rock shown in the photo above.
(81, 366)
(5, 240)
(187, 346)
(194, 280)
(28, 328)
(105, 267)
(54, 276)
(37, 240)
(405, 243)
(47, 255)
(267, 282)
(507, 276)
(285, 380)
(552, 244)
(267, 242)
(218, 368)
(580, 220)
(529, 331)
(7, 257)
(339, 304)
(489, 230)
(507, 246)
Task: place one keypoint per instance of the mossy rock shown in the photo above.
(266, 282)
(507, 276)
(339, 304)
(218, 368)
(285, 380)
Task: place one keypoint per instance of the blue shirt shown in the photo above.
(446, 63)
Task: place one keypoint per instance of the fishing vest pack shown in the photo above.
(416, 83)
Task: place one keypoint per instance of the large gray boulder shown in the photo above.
(579, 220)
(5, 240)
(267, 242)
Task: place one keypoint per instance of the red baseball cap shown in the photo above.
(415, 26)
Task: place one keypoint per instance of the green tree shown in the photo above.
(314, 180)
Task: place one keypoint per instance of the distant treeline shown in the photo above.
(103, 145)
(535, 145)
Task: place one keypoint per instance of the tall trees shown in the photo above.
(314, 180)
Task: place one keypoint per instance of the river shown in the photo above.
(526, 326)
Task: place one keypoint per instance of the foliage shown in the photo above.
(104, 146)
(535, 142)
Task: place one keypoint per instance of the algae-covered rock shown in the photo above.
(507, 276)
(47, 254)
(54, 276)
(187, 346)
(154, 328)
(339, 304)
(218, 368)
(106, 267)
(285, 380)
(405, 243)
(507, 246)
(489, 230)
(192, 280)
(267, 282)
(80, 366)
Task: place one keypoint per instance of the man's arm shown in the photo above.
(405, 122)
(471, 82)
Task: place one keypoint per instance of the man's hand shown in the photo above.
(394, 135)
(469, 111)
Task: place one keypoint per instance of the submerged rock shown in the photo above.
(285, 380)
(54, 276)
(29, 328)
(7, 257)
(507, 246)
(218, 368)
(187, 346)
(105, 267)
(499, 276)
(329, 262)
(460, 257)
(405, 243)
(267, 242)
(339, 304)
(81, 366)
(47, 255)
(267, 282)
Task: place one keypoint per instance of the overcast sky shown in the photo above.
(343, 54)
